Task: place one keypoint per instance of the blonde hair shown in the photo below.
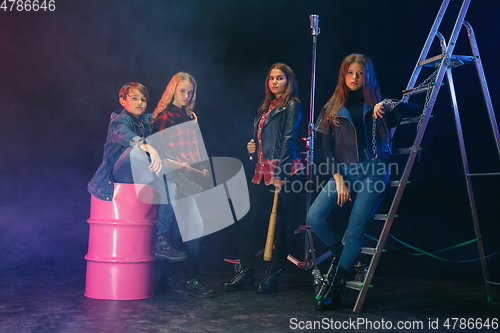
(168, 95)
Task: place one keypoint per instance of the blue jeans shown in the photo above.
(192, 247)
(122, 172)
(187, 209)
(135, 158)
(167, 223)
(184, 211)
(367, 180)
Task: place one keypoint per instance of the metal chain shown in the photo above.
(393, 103)
(386, 102)
(374, 141)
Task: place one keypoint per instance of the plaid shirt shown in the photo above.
(265, 168)
(183, 143)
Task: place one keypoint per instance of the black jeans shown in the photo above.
(261, 202)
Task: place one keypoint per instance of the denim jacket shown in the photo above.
(124, 131)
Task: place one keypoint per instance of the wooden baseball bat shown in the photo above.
(268, 252)
(177, 165)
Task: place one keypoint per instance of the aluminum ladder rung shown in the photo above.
(418, 90)
(453, 62)
(410, 120)
(483, 174)
(396, 183)
(381, 217)
(369, 250)
(356, 285)
(403, 151)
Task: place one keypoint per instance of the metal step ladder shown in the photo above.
(443, 64)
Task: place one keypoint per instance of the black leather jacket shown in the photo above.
(340, 141)
(278, 136)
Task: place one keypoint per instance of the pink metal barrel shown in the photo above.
(120, 261)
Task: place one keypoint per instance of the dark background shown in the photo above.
(61, 72)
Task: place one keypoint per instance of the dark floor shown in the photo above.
(50, 301)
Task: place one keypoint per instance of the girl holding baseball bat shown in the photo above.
(274, 150)
(180, 146)
(356, 141)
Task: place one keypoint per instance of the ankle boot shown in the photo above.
(319, 279)
(270, 284)
(243, 280)
(194, 287)
(329, 296)
(164, 249)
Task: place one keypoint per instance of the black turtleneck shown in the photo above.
(355, 106)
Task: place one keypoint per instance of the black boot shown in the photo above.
(318, 279)
(328, 303)
(270, 284)
(164, 249)
(329, 297)
(194, 286)
(243, 280)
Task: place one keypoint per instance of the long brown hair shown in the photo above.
(168, 95)
(290, 89)
(370, 90)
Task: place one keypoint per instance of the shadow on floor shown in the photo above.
(53, 301)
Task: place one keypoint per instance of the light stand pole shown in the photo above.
(314, 19)
(309, 246)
